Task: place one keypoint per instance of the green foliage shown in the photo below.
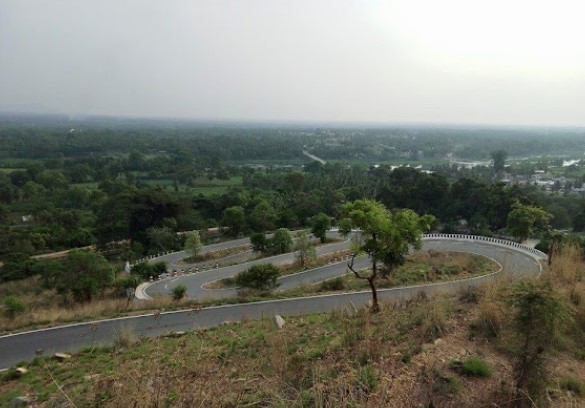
(193, 243)
(145, 270)
(233, 221)
(538, 313)
(385, 236)
(261, 277)
(446, 385)
(305, 249)
(571, 384)
(499, 160)
(179, 292)
(13, 306)
(367, 378)
(259, 242)
(332, 284)
(281, 242)
(472, 367)
(320, 224)
(127, 282)
(17, 266)
(84, 274)
(524, 220)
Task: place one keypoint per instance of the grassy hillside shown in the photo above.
(471, 349)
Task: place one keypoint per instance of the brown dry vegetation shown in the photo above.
(46, 308)
(406, 356)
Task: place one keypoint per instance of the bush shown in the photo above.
(473, 367)
(260, 277)
(537, 313)
(125, 283)
(159, 267)
(332, 284)
(179, 292)
(573, 385)
(13, 306)
(143, 270)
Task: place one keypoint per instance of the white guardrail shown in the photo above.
(496, 241)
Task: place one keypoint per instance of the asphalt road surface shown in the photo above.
(22, 346)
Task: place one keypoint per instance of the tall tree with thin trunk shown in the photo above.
(499, 160)
(193, 243)
(305, 249)
(385, 236)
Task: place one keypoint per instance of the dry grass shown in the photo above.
(400, 357)
(213, 255)
(46, 308)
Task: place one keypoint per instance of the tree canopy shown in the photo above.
(385, 236)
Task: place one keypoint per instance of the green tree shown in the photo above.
(193, 243)
(161, 238)
(524, 220)
(320, 224)
(281, 242)
(579, 218)
(499, 160)
(85, 274)
(386, 237)
(263, 217)
(259, 242)
(233, 221)
(537, 313)
(261, 277)
(305, 249)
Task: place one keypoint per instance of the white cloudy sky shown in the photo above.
(455, 61)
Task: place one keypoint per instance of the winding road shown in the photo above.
(514, 259)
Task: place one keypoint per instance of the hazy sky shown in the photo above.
(455, 61)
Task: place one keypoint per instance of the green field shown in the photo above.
(9, 169)
(202, 185)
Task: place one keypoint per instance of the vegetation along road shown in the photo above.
(23, 346)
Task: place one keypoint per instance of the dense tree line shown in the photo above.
(105, 187)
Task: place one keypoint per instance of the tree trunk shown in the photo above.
(372, 283)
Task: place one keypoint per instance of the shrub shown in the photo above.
(332, 284)
(143, 270)
(473, 367)
(445, 385)
(13, 306)
(537, 314)
(260, 277)
(489, 320)
(179, 292)
(367, 379)
(573, 385)
(434, 321)
(159, 267)
(124, 283)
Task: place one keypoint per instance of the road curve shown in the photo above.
(22, 346)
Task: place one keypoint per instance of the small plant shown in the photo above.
(179, 292)
(367, 378)
(13, 306)
(473, 367)
(332, 284)
(434, 321)
(9, 375)
(488, 324)
(572, 385)
(125, 337)
(446, 385)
